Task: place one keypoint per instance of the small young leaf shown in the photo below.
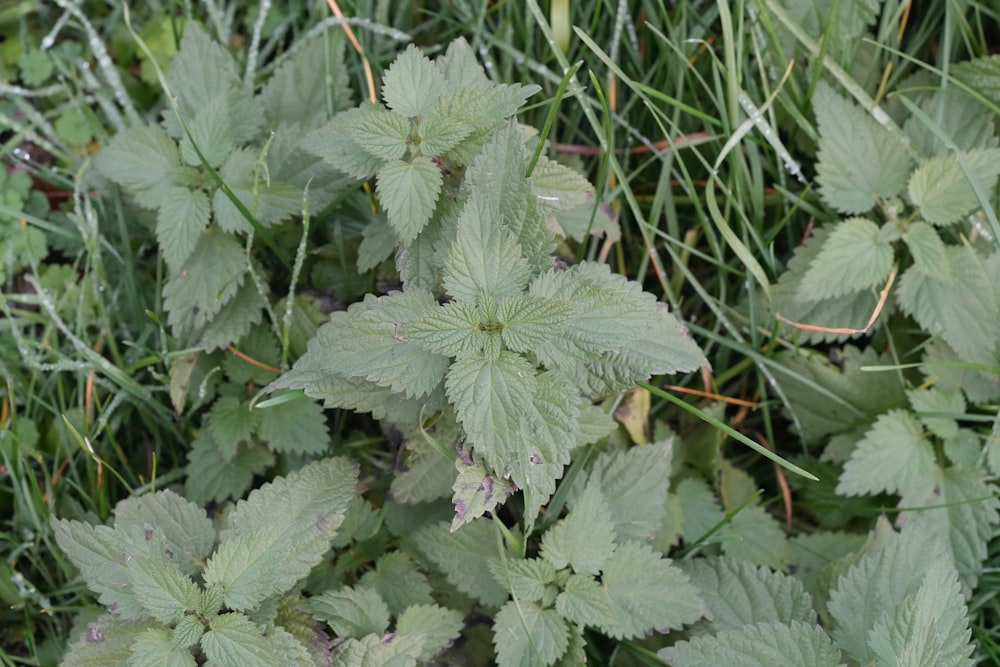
(585, 601)
(437, 625)
(485, 108)
(941, 189)
(464, 557)
(584, 540)
(233, 639)
(140, 159)
(893, 454)
(526, 579)
(529, 321)
(408, 191)
(854, 258)
(762, 645)
(231, 423)
(334, 143)
(559, 188)
(455, 329)
(155, 646)
(476, 491)
(928, 250)
(352, 612)
(412, 84)
(858, 159)
(163, 591)
(459, 66)
(525, 635)
(384, 134)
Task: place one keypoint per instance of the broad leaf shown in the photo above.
(558, 187)
(585, 601)
(762, 645)
(456, 329)
(106, 642)
(466, 557)
(294, 426)
(893, 455)
(938, 410)
(477, 491)
(334, 143)
(438, 627)
(164, 591)
(156, 646)
(233, 639)
(184, 524)
(393, 650)
(408, 191)
(141, 159)
(384, 134)
(298, 89)
(210, 131)
(412, 84)
(941, 189)
(528, 321)
(583, 540)
(182, 217)
(526, 635)
(398, 582)
(854, 257)
(859, 160)
(209, 476)
(930, 254)
(352, 612)
(527, 579)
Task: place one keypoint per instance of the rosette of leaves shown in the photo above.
(487, 332)
(225, 163)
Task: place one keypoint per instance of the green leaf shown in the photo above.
(484, 259)
(210, 131)
(756, 536)
(763, 645)
(184, 524)
(352, 612)
(893, 454)
(496, 179)
(492, 398)
(334, 143)
(585, 601)
(270, 201)
(163, 591)
(943, 366)
(384, 134)
(925, 402)
(476, 491)
(930, 628)
(464, 557)
(738, 594)
(233, 639)
(941, 189)
(699, 508)
(648, 593)
(377, 244)
(529, 321)
(231, 423)
(427, 473)
(36, 67)
(965, 122)
(993, 446)
(398, 582)
(107, 642)
(295, 426)
(964, 310)
(234, 321)
(455, 329)
(155, 646)
(298, 89)
(596, 220)
(141, 159)
(559, 188)
(374, 651)
(459, 66)
(408, 191)
(208, 279)
(583, 540)
(960, 509)
(859, 160)
(928, 250)
(485, 108)
(438, 626)
(525, 635)
(209, 476)
(412, 84)
(527, 579)
(854, 257)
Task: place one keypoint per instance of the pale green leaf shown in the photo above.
(261, 346)
(377, 244)
(384, 134)
(525, 635)
(700, 510)
(496, 179)
(756, 536)
(419, 264)
(941, 189)
(859, 160)
(476, 491)
(459, 66)
(942, 366)
(269, 200)
(188, 631)
(965, 122)
(182, 217)
(352, 612)
(163, 590)
(299, 88)
(208, 279)
(235, 319)
(464, 557)
(197, 73)
(106, 642)
(763, 645)
(294, 426)
(233, 639)
(209, 476)
(586, 602)
(960, 509)
(928, 250)
(877, 584)
(141, 159)
(854, 257)
(938, 409)
(993, 447)
(412, 84)
(931, 628)
(893, 454)
(527, 579)
(738, 594)
(597, 220)
(485, 108)
(648, 592)
(442, 129)
(492, 398)
(408, 191)
(964, 311)
(334, 143)
(529, 321)
(427, 474)
(393, 650)
(456, 329)
(184, 524)
(559, 188)
(484, 259)
(210, 131)
(437, 625)
(155, 646)
(398, 582)
(231, 424)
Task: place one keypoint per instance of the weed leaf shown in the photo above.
(525, 634)
(854, 257)
(233, 639)
(929, 251)
(438, 627)
(408, 191)
(761, 645)
(141, 160)
(352, 611)
(941, 190)
(893, 454)
(583, 540)
(412, 84)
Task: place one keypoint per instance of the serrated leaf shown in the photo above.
(377, 244)
(526, 635)
(529, 321)
(298, 89)
(459, 66)
(738, 594)
(427, 474)
(185, 525)
(398, 582)
(437, 625)
(476, 491)
(233, 639)
(930, 628)
(941, 189)
(183, 216)
(334, 143)
(756, 536)
(208, 279)
(234, 320)
(208, 476)
(648, 593)
(964, 310)
(965, 122)
(558, 187)
(496, 179)
(486, 108)
(155, 646)
(583, 540)
(231, 423)
(352, 612)
(384, 134)
(210, 131)
(949, 406)
(893, 454)
(928, 250)
(942, 365)
(763, 645)
(491, 399)
(597, 220)
(456, 329)
(373, 651)
(260, 346)
(960, 509)
(200, 69)
(408, 191)
(859, 160)
(412, 84)
(585, 602)
(163, 591)
(268, 200)
(854, 257)
(297, 426)
(106, 642)
(700, 510)
(140, 159)
(526, 579)
(464, 557)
